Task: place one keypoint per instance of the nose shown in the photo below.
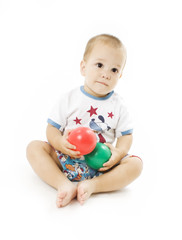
(106, 75)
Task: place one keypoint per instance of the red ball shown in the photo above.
(84, 139)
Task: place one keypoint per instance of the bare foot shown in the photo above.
(84, 190)
(65, 194)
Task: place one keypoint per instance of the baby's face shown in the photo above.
(102, 69)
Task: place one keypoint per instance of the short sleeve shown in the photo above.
(125, 122)
(57, 116)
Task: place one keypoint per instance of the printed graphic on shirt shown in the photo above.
(77, 121)
(108, 117)
(92, 111)
(97, 123)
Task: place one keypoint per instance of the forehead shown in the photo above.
(106, 52)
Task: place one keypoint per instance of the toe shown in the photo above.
(81, 195)
(60, 198)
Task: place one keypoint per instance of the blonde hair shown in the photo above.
(104, 38)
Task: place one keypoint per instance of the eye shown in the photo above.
(99, 65)
(115, 70)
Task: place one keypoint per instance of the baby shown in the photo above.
(97, 106)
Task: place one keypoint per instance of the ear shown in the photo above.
(82, 67)
(120, 75)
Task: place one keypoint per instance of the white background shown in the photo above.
(41, 46)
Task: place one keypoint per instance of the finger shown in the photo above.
(107, 166)
(75, 154)
(108, 163)
(103, 169)
(110, 146)
(70, 146)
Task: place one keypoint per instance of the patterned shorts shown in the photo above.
(76, 169)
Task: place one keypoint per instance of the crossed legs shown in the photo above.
(44, 162)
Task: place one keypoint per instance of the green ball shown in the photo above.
(98, 156)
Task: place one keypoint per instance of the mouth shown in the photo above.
(102, 83)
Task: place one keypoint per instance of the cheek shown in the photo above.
(92, 74)
(115, 81)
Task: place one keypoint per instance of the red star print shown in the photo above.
(78, 121)
(92, 111)
(110, 114)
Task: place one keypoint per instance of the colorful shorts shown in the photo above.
(76, 169)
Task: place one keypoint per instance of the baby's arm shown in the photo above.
(122, 147)
(59, 141)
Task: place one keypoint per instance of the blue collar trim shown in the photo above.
(96, 98)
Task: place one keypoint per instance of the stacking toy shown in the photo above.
(98, 156)
(84, 139)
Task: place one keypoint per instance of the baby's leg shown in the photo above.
(118, 177)
(43, 160)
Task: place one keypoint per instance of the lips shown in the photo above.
(102, 83)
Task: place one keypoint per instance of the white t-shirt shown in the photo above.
(107, 116)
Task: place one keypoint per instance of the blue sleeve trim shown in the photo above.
(54, 124)
(130, 131)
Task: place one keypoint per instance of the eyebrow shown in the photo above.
(99, 59)
(119, 66)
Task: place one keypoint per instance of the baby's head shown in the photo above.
(105, 39)
(102, 65)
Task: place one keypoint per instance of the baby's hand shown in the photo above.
(115, 158)
(67, 148)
